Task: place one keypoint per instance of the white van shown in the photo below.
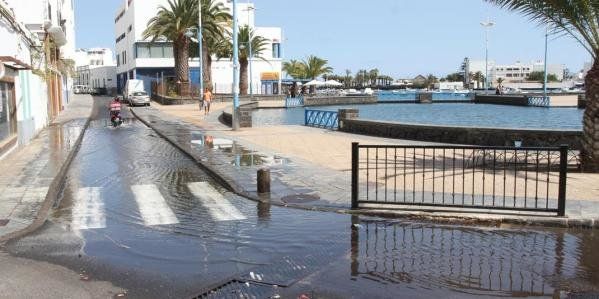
(135, 94)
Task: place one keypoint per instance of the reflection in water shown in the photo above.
(472, 261)
(241, 157)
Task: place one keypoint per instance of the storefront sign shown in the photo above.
(270, 76)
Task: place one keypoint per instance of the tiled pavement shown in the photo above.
(28, 174)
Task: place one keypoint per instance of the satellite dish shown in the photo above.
(2, 70)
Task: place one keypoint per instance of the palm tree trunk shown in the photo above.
(207, 66)
(590, 144)
(243, 76)
(182, 67)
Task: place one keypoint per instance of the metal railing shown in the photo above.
(321, 119)
(294, 102)
(539, 101)
(465, 177)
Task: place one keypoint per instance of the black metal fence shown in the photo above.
(490, 178)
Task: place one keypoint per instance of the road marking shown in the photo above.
(152, 206)
(218, 206)
(89, 212)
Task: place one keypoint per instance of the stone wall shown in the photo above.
(463, 135)
(340, 100)
(255, 98)
(424, 98)
(513, 100)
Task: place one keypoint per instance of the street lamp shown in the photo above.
(488, 24)
(235, 68)
(251, 54)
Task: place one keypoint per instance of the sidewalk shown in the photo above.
(310, 167)
(30, 176)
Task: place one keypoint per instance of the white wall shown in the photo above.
(102, 74)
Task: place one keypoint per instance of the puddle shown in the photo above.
(239, 155)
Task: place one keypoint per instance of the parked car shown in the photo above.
(79, 89)
(139, 98)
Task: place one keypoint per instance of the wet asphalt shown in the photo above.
(137, 212)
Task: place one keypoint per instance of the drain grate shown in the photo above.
(4, 222)
(238, 289)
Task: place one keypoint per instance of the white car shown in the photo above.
(139, 98)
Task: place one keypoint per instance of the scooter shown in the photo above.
(115, 119)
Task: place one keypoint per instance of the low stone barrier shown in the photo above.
(245, 115)
(340, 100)
(166, 100)
(463, 135)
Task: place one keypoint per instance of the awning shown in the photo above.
(14, 63)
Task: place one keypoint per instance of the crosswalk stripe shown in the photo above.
(152, 206)
(218, 206)
(88, 212)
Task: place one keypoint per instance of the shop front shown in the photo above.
(8, 109)
(270, 83)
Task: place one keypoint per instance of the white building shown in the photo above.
(96, 69)
(516, 72)
(137, 58)
(51, 20)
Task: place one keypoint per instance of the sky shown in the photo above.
(402, 38)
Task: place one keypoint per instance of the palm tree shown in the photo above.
(580, 20)
(245, 37)
(479, 77)
(295, 69)
(315, 67)
(215, 20)
(373, 75)
(171, 23)
(348, 78)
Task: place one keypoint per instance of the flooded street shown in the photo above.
(137, 212)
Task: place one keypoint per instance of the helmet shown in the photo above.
(117, 99)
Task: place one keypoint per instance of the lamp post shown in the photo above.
(545, 66)
(251, 54)
(488, 24)
(235, 68)
(201, 54)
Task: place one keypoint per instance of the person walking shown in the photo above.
(208, 96)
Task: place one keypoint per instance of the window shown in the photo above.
(118, 60)
(154, 50)
(276, 50)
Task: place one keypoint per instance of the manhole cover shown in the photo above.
(300, 198)
(4, 222)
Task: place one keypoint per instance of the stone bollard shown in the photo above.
(263, 181)
(424, 98)
(347, 114)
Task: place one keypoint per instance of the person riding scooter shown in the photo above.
(115, 111)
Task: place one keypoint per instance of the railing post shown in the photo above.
(563, 177)
(306, 117)
(355, 169)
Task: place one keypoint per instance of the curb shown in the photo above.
(53, 190)
(462, 219)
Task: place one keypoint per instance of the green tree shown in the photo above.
(455, 77)
(245, 36)
(348, 78)
(479, 78)
(171, 23)
(294, 69)
(316, 67)
(580, 20)
(540, 77)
